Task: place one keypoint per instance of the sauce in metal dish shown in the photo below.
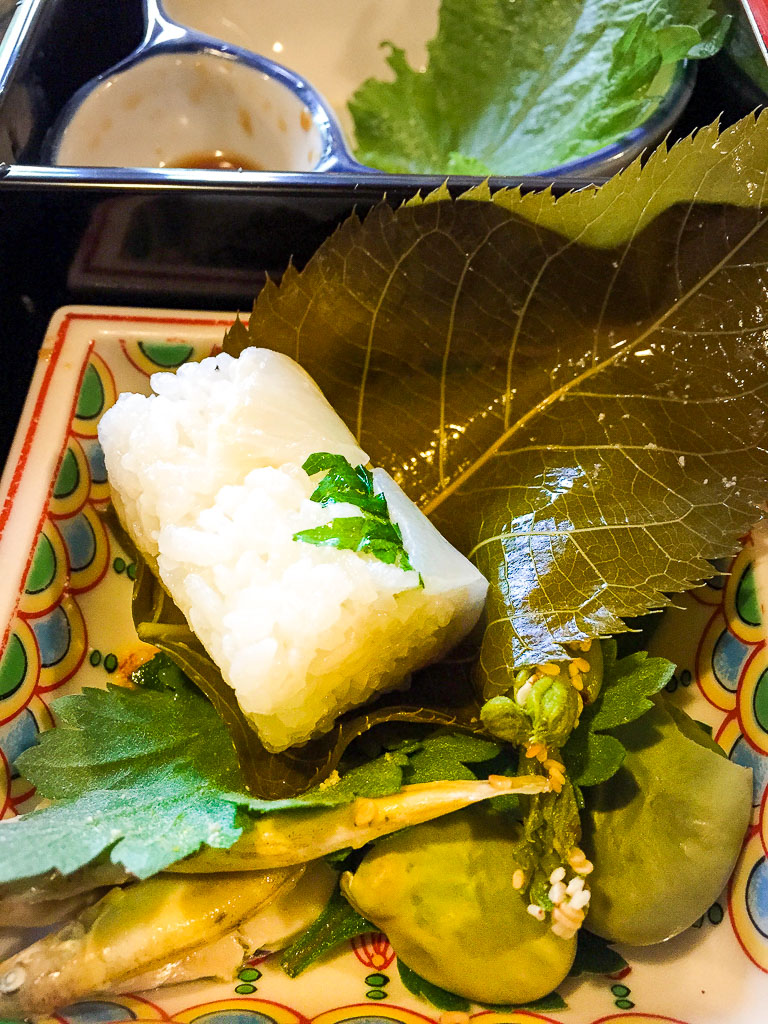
(216, 160)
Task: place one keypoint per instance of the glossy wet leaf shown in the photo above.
(582, 409)
(592, 755)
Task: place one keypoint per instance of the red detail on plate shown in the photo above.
(29, 437)
(759, 11)
(5, 769)
(373, 950)
(621, 974)
(641, 1016)
(258, 958)
(750, 833)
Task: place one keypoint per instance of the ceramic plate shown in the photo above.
(65, 616)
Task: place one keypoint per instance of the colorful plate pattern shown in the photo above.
(62, 569)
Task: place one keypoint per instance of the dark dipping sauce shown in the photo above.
(216, 160)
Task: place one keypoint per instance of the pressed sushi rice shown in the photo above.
(206, 476)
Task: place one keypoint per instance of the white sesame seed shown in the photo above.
(557, 875)
(575, 885)
(557, 892)
(536, 911)
(581, 899)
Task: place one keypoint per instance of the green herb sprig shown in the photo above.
(373, 532)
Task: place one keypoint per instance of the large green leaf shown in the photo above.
(513, 88)
(582, 409)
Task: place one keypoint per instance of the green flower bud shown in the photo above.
(553, 707)
(505, 719)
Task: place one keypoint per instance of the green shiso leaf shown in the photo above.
(116, 738)
(446, 755)
(581, 381)
(142, 773)
(515, 88)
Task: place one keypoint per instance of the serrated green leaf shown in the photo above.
(446, 755)
(548, 415)
(373, 533)
(353, 533)
(628, 685)
(590, 755)
(117, 738)
(501, 95)
(149, 776)
(145, 828)
(592, 758)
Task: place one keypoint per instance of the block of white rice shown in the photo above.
(206, 476)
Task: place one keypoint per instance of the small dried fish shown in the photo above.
(279, 840)
(129, 931)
